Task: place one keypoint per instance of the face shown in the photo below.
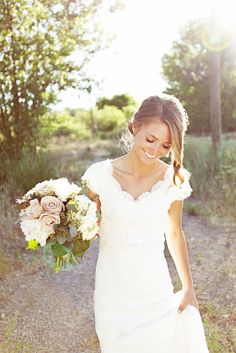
(152, 141)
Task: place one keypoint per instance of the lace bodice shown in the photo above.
(135, 221)
(143, 194)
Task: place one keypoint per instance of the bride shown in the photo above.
(141, 201)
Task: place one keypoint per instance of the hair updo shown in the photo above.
(169, 109)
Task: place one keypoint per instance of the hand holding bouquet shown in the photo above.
(61, 217)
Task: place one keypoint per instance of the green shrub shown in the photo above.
(129, 110)
(64, 124)
(109, 119)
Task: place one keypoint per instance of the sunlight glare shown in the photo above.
(145, 31)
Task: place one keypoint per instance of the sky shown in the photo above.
(144, 31)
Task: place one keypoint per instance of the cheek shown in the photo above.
(140, 142)
(166, 151)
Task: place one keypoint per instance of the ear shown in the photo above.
(135, 129)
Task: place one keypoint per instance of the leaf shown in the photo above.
(48, 255)
(73, 231)
(59, 249)
(50, 242)
(80, 246)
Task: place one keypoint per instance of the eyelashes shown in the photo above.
(166, 147)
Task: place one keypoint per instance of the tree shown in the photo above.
(216, 37)
(37, 38)
(186, 70)
(119, 100)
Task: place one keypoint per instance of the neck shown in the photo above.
(138, 168)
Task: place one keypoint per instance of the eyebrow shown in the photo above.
(156, 138)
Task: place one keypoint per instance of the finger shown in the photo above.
(181, 308)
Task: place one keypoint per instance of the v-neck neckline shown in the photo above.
(155, 186)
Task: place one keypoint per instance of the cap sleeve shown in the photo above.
(93, 175)
(182, 191)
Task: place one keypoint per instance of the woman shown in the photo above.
(141, 199)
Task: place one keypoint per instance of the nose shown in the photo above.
(155, 148)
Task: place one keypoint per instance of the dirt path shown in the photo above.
(55, 311)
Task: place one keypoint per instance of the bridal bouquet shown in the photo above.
(61, 217)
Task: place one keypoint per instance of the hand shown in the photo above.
(95, 237)
(188, 298)
(95, 197)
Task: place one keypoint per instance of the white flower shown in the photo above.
(89, 226)
(82, 202)
(92, 209)
(42, 189)
(89, 233)
(88, 222)
(90, 216)
(34, 229)
(61, 187)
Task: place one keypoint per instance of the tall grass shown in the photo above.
(25, 173)
(17, 177)
(213, 176)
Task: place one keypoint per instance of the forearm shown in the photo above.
(177, 246)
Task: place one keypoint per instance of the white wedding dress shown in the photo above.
(135, 306)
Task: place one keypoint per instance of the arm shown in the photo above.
(177, 246)
(95, 197)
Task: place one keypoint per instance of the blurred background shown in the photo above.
(72, 73)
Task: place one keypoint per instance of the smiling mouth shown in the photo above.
(149, 155)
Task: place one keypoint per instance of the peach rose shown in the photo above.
(52, 204)
(34, 210)
(49, 219)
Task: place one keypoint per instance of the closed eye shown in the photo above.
(166, 147)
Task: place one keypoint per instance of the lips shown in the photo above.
(149, 155)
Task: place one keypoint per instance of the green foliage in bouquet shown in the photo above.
(63, 252)
(60, 257)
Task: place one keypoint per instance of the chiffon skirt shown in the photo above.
(135, 308)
